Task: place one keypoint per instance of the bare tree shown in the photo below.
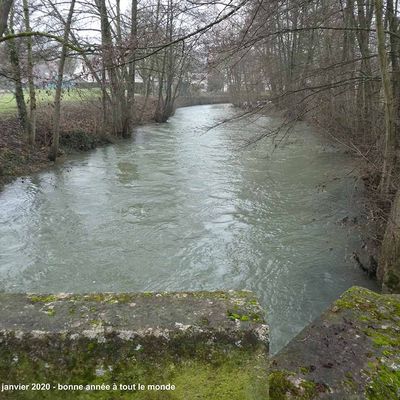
(32, 92)
(17, 77)
(57, 99)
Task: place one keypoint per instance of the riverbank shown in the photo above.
(80, 131)
(362, 140)
(376, 208)
(372, 222)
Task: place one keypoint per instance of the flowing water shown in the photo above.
(181, 207)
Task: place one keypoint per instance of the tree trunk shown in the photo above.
(110, 68)
(395, 60)
(5, 8)
(168, 105)
(132, 63)
(57, 99)
(19, 91)
(32, 94)
(390, 139)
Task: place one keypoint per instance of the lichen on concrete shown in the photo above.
(351, 352)
(186, 339)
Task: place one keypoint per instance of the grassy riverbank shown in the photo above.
(45, 97)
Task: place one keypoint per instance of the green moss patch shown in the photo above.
(385, 383)
(239, 375)
(285, 385)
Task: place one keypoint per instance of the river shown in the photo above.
(183, 207)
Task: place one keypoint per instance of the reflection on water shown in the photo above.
(182, 208)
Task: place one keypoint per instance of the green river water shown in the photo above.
(179, 207)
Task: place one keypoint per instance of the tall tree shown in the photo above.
(389, 138)
(17, 77)
(32, 92)
(60, 78)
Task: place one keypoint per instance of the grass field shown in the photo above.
(46, 97)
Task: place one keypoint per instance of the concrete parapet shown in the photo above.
(194, 345)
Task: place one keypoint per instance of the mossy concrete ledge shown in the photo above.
(192, 345)
(351, 352)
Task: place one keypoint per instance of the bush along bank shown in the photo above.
(80, 130)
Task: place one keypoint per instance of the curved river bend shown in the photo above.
(182, 208)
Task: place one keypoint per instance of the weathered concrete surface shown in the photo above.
(351, 352)
(209, 345)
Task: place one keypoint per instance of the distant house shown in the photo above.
(45, 76)
(83, 74)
